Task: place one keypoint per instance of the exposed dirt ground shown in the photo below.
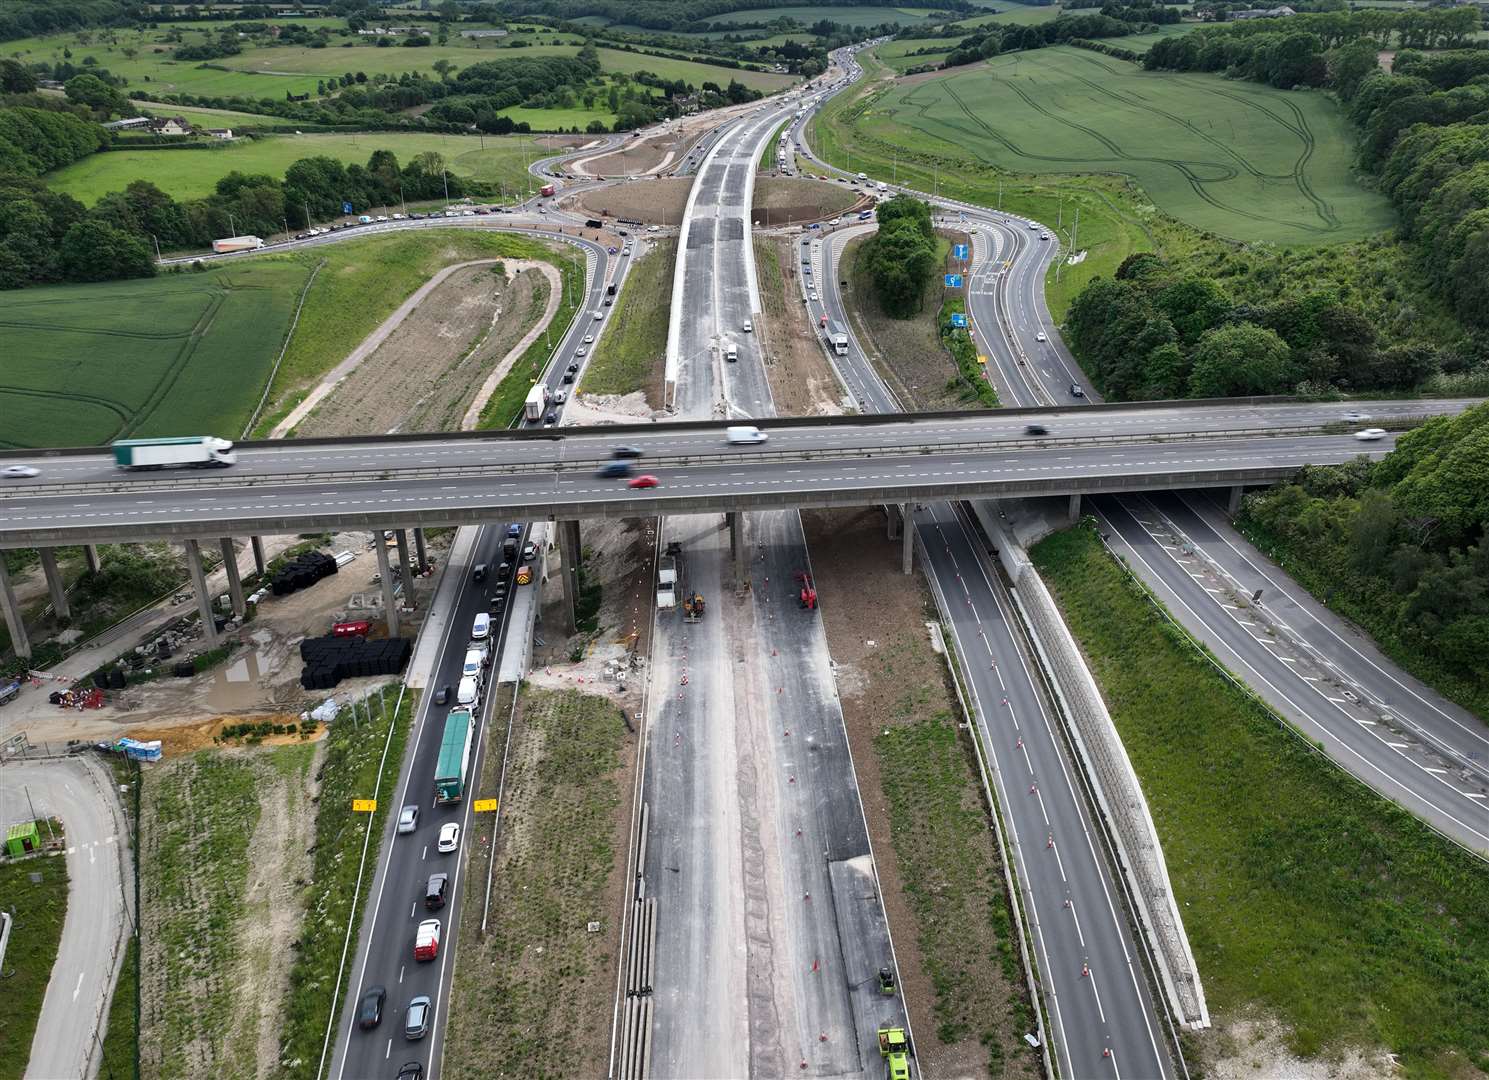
(642, 155)
(907, 352)
(778, 200)
(1248, 1048)
(889, 674)
(791, 200)
(801, 379)
(423, 376)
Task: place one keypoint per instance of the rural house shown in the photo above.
(171, 125)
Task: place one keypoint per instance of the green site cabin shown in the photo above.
(454, 756)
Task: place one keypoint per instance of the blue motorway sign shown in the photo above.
(953, 281)
(958, 319)
(346, 208)
(960, 251)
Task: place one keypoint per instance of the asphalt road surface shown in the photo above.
(80, 792)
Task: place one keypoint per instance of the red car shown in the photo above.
(644, 482)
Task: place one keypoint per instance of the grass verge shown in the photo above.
(768, 151)
(1305, 894)
(39, 908)
(536, 989)
(958, 342)
(630, 355)
(121, 1039)
(360, 751)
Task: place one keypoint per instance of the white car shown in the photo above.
(449, 837)
(581, 351)
(1356, 417)
(589, 339)
(1370, 434)
(748, 326)
(1040, 336)
(20, 472)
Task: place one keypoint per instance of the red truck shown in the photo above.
(546, 190)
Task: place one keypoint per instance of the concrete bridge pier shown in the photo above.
(203, 597)
(90, 553)
(1075, 508)
(737, 549)
(401, 536)
(18, 639)
(54, 583)
(568, 567)
(390, 602)
(234, 579)
(907, 538)
(1233, 507)
(892, 522)
(259, 563)
(421, 556)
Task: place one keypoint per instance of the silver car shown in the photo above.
(416, 1017)
(408, 819)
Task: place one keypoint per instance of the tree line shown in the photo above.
(1399, 547)
(901, 256)
(998, 38)
(682, 15)
(48, 237)
(1153, 332)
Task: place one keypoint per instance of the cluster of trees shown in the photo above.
(49, 237)
(680, 15)
(36, 18)
(901, 256)
(1143, 12)
(34, 141)
(226, 44)
(997, 38)
(1154, 333)
(1399, 546)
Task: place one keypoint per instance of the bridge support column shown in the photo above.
(18, 639)
(259, 562)
(385, 571)
(737, 549)
(401, 535)
(421, 556)
(907, 537)
(891, 521)
(90, 553)
(234, 579)
(1075, 508)
(203, 597)
(568, 566)
(54, 583)
(1233, 507)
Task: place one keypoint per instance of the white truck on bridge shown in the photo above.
(194, 451)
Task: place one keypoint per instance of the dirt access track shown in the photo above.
(415, 371)
(778, 201)
(659, 150)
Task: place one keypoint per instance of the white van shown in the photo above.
(744, 436)
(731, 353)
(481, 628)
(468, 692)
(475, 659)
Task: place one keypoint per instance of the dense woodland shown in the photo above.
(1423, 135)
(1399, 547)
(901, 255)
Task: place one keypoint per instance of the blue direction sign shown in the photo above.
(953, 281)
(346, 208)
(958, 319)
(959, 251)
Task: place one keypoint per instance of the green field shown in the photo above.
(216, 118)
(1306, 896)
(190, 174)
(1141, 43)
(866, 15)
(272, 72)
(39, 908)
(895, 53)
(1237, 159)
(180, 354)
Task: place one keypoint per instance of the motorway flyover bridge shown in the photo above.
(401, 482)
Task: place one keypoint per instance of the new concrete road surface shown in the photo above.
(770, 930)
(1092, 977)
(80, 791)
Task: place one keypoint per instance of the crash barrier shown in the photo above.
(328, 660)
(1104, 760)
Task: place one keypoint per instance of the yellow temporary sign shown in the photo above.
(982, 359)
(481, 806)
(364, 806)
